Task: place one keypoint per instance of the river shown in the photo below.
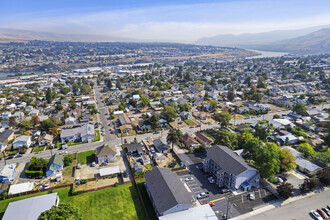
(265, 54)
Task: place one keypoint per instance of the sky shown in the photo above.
(158, 20)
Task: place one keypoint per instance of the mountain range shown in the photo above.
(302, 41)
(315, 40)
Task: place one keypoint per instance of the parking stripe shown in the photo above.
(218, 199)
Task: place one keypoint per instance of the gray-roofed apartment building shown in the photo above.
(31, 208)
(84, 132)
(231, 171)
(167, 192)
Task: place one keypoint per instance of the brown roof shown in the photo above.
(106, 150)
(188, 140)
(203, 137)
(122, 127)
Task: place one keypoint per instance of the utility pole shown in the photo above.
(227, 208)
(4, 156)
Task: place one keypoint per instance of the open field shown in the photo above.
(86, 157)
(120, 202)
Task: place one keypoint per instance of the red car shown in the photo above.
(210, 204)
(322, 213)
(191, 127)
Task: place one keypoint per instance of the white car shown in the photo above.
(188, 179)
(202, 195)
(316, 215)
(251, 196)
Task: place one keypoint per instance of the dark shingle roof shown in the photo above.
(106, 150)
(166, 189)
(134, 147)
(228, 161)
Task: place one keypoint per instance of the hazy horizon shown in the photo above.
(176, 21)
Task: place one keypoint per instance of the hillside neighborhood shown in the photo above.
(210, 139)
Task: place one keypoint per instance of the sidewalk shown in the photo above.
(278, 203)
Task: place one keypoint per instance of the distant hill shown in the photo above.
(5, 39)
(249, 40)
(316, 42)
(16, 34)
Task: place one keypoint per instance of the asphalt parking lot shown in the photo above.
(237, 204)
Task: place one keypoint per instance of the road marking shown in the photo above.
(242, 200)
(218, 199)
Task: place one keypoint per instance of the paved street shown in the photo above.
(296, 210)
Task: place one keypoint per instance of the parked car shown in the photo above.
(78, 166)
(203, 195)
(251, 196)
(247, 117)
(19, 155)
(191, 127)
(10, 157)
(279, 180)
(316, 215)
(210, 204)
(63, 152)
(188, 179)
(322, 213)
(224, 190)
(93, 164)
(152, 150)
(64, 146)
(104, 164)
(46, 185)
(197, 126)
(211, 179)
(327, 211)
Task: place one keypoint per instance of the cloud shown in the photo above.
(186, 23)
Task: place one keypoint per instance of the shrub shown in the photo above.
(83, 181)
(285, 190)
(33, 173)
(68, 160)
(116, 184)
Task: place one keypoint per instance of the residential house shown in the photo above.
(70, 120)
(21, 141)
(230, 170)
(189, 140)
(203, 138)
(6, 136)
(186, 115)
(106, 153)
(84, 132)
(160, 146)
(45, 139)
(287, 139)
(137, 166)
(202, 212)
(134, 149)
(145, 159)
(55, 164)
(166, 191)
(6, 115)
(31, 208)
(7, 172)
(125, 123)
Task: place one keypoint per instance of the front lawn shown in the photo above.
(86, 157)
(146, 199)
(38, 149)
(97, 135)
(191, 122)
(120, 202)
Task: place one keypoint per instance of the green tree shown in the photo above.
(285, 190)
(173, 136)
(214, 105)
(267, 160)
(62, 211)
(227, 138)
(145, 101)
(26, 125)
(223, 118)
(64, 90)
(251, 146)
(185, 107)
(48, 124)
(49, 95)
(169, 113)
(262, 130)
(37, 164)
(300, 109)
(287, 160)
(154, 121)
(306, 149)
(58, 107)
(35, 120)
(68, 160)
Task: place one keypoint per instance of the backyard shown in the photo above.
(191, 122)
(97, 135)
(121, 202)
(86, 157)
(38, 149)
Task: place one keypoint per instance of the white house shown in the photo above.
(186, 115)
(22, 140)
(84, 132)
(106, 153)
(70, 120)
(136, 97)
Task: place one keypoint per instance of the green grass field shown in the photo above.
(38, 149)
(191, 122)
(146, 199)
(86, 157)
(120, 202)
(97, 135)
